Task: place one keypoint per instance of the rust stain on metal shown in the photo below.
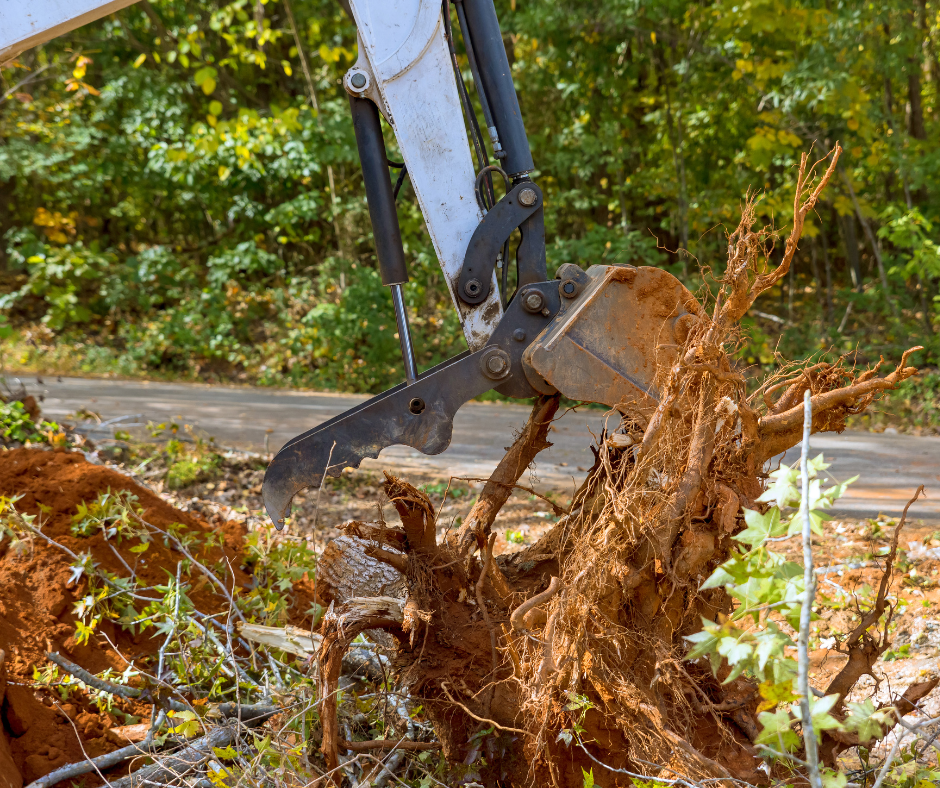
(609, 346)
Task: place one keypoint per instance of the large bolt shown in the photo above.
(568, 288)
(496, 364)
(528, 197)
(358, 80)
(473, 287)
(532, 301)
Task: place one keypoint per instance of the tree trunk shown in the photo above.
(916, 127)
(847, 223)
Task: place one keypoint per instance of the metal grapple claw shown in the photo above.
(419, 415)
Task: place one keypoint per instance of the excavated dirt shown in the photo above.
(36, 605)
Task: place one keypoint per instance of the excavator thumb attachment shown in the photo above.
(420, 415)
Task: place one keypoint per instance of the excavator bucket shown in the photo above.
(623, 328)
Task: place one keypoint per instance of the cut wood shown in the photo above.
(293, 640)
(132, 733)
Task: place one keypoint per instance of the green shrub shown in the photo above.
(192, 470)
(17, 426)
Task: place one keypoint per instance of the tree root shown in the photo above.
(500, 485)
(614, 588)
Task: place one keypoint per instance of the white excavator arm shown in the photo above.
(406, 63)
(28, 23)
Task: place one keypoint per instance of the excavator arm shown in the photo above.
(602, 335)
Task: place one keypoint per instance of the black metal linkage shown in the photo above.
(372, 156)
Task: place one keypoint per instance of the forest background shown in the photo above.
(180, 193)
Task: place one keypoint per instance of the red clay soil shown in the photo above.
(36, 607)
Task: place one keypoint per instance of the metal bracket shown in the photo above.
(520, 205)
(573, 280)
(360, 82)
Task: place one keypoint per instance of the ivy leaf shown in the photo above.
(776, 730)
(864, 720)
(760, 527)
(775, 694)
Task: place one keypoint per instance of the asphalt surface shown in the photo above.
(889, 466)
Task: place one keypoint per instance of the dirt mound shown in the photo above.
(36, 606)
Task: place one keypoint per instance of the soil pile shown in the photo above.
(36, 605)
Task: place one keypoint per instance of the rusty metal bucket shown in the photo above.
(619, 328)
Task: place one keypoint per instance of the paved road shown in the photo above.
(890, 466)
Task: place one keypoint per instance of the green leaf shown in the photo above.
(775, 694)
(705, 643)
(831, 779)
(207, 72)
(865, 720)
(784, 491)
(819, 712)
(776, 730)
(760, 527)
(720, 577)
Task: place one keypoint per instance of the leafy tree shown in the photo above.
(179, 198)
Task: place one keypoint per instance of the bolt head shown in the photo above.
(473, 287)
(496, 364)
(358, 80)
(528, 197)
(533, 301)
(568, 288)
(518, 335)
